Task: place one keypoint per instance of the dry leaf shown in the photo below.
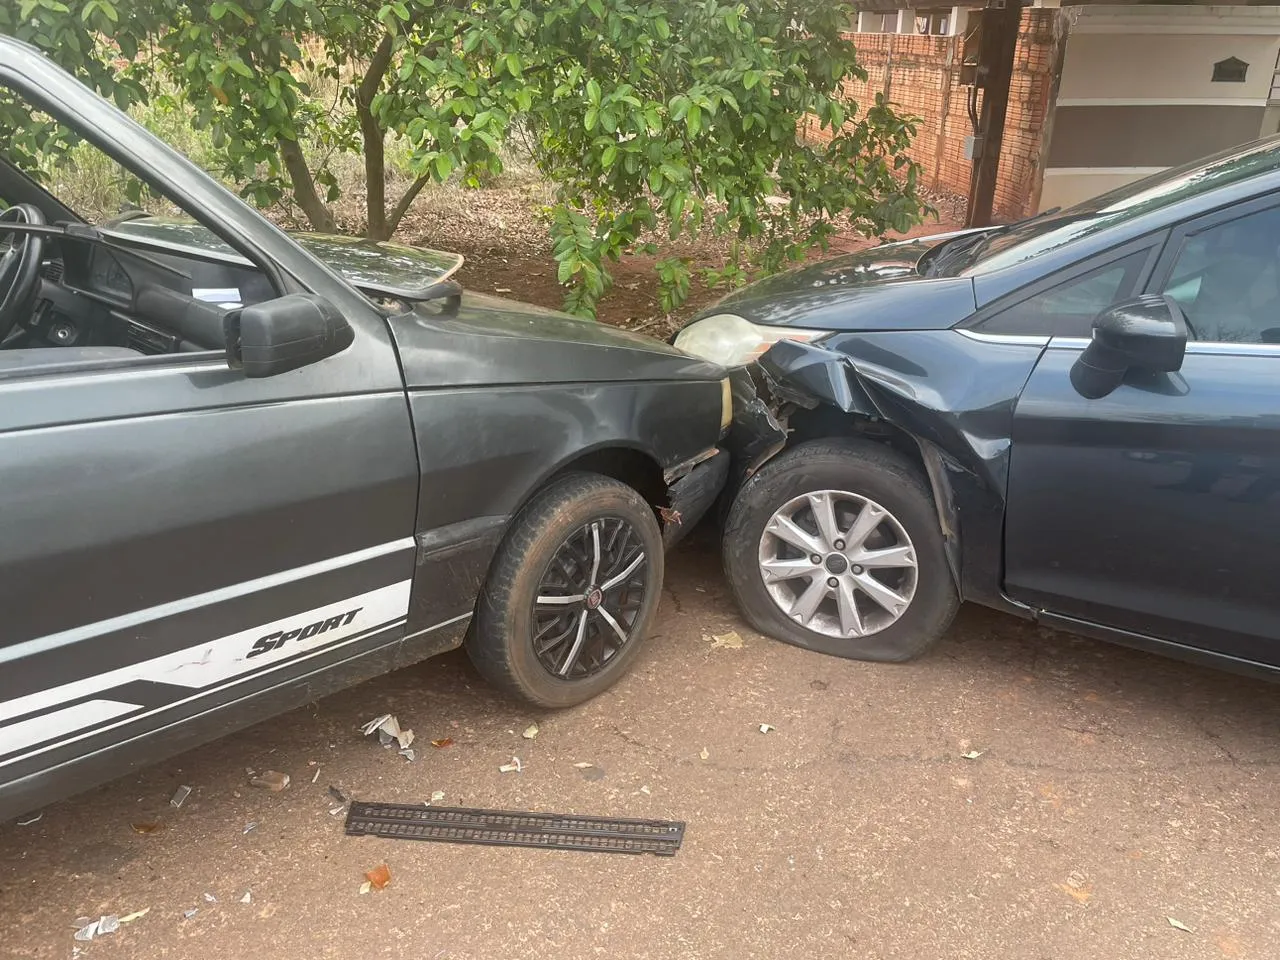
(730, 641)
(147, 826)
(443, 742)
(379, 876)
(530, 731)
(1080, 893)
(1178, 925)
(136, 915)
(272, 780)
(705, 755)
(973, 754)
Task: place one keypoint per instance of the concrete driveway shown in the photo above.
(1111, 792)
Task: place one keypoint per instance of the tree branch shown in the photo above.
(304, 187)
(402, 206)
(375, 170)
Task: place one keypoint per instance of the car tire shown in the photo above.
(861, 472)
(549, 548)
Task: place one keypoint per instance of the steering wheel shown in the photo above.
(19, 266)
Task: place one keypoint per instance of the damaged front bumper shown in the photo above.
(692, 488)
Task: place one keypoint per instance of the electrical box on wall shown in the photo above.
(973, 147)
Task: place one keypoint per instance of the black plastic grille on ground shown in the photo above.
(554, 831)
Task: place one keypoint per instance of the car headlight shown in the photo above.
(731, 341)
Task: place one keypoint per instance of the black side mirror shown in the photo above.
(283, 334)
(1147, 333)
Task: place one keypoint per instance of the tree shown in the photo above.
(638, 111)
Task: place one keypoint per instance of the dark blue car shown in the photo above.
(1074, 418)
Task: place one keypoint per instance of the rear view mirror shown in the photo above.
(1147, 333)
(283, 334)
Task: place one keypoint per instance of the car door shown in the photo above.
(174, 537)
(1156, 509)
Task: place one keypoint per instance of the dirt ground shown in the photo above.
(1109, 791)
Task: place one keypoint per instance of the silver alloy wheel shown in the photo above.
(838, 564)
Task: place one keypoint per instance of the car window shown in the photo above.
(1068, 309)
(1227, 280)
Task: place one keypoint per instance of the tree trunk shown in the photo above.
(375, 166)
(304, 187)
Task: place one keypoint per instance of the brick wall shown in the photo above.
(921, 76)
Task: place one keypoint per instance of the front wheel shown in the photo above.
(835, 546)
(572, 592)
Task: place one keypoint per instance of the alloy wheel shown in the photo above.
(838, 563)
(589, 598)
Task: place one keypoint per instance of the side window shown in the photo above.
(1068, 309)
(1227, 280)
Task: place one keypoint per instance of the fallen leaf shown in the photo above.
(766, 727)
(136, 915)
(730, 641)
(379, 876)
(443, 742)
(973, 754)
(705, 754)
(515, 766)
(1080, 894)
(147, 826)
(1178, 925)
(530, 731)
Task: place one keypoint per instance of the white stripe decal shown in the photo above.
(53, 641)
(51, 725)
(218, 660)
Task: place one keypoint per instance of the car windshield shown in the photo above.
(1021, 241)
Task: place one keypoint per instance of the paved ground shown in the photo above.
(1113, 791)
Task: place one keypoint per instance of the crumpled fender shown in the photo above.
(807, 375)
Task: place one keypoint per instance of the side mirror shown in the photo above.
(283, 334)
(1147, 333)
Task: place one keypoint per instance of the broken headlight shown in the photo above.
(731, 341)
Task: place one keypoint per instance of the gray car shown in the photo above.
(242, 470)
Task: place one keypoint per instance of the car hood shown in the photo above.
(377, 268)
(874, 289)
(486, 341)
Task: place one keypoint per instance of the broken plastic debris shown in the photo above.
(250, 826)
(136, 915)
(316, 776)
(530, 731)
(705, 754)
(147, 826)
(730, 641)
(443, 742)
(248, 897)
(108, 924)
(437, 796)
(272, 780)
(188, 914)
(766, 727)
(583, 765)
(365, 887)
(1178, 925)
(87, 931)
(210, 898)
(515, 766)
(339, 795)
(409, 754)
(337, 811)
(645, 790)
(30, 820)
(379, 876)
(973, 754)
(180, 796)
(388, 729)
